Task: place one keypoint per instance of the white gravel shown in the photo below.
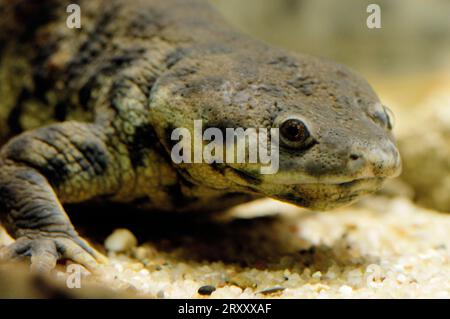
(382, 248)
(121, 240)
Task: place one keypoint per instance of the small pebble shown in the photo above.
(206, 290)
(140, 253)
(272, 290)
(144, 272)
(121, 240)
(317, 275)
(346, 290)
(402, 278)
(242, 280)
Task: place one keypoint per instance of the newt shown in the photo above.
(87, 115)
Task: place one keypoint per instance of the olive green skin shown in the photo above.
(87, 115)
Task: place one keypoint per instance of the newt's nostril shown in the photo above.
(355, 157)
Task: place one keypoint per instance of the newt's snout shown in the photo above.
(374, 162)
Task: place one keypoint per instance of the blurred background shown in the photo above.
(407, 61)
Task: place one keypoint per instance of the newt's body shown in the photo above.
(88, 115)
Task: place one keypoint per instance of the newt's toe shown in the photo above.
(45, 251)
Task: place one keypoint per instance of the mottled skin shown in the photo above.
(87, 115)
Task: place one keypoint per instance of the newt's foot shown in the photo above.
(46, 249)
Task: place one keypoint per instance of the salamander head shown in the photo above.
(335, 138)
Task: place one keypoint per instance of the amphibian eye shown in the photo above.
(294, 133)
(383, 115)
(390, 117)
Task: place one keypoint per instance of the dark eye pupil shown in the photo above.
(294, 131)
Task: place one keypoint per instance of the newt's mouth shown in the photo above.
(361, 182)
(326, 196)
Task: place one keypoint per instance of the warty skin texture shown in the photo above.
(87, 115)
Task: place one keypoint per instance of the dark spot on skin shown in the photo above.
(119, 88)
(318, 168)
(119, 61)
(343, 100)
(304, 84)
(126, 57)
(185, 177)
(146, 24)
(95, 43)
(174, 57)
(94, 47)
(177, 196)
(43, 78)
(271, 90)
(183, 72)
(185, 182)
(143, 140)
(248, 177)
(284, 61)
(194, 87)
(56, 171)
(214, 48)
(5, 201)
(35, 13)
(84, 94)
(43, 82)
(90, 156)
(210, 82)
(218, 167)
(96, 157)
(185, 91)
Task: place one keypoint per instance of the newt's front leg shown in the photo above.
(66, 162)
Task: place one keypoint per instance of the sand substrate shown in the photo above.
(381, 248)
